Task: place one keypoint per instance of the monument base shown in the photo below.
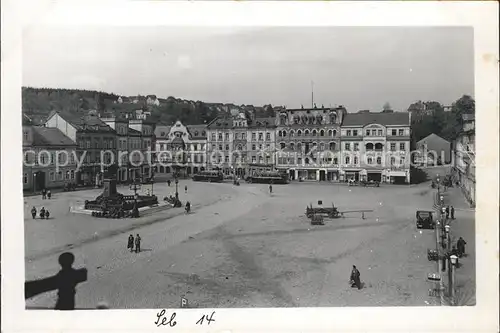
(143, 211)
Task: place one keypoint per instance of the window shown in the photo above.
(254, 136)
(393, 147)
(88, 144)
(220, 147)
(260, 159)
(401, 132)
(243, 136)
(213, 146)
(72, 174)
(284, 133)
(260, 136)
(379, 160)
(322, 133)
(213, 136)
(25, 178)
(402, 146)
(299, 146)
(368, 133)
(239, 147)
(314, 133)
(203, 133)
(356, 146)
(380, 132)
(292, 146)
(347, 146)
(260, 147)
(220, 136)
(355, 132)
(268, 136)
(253, 147)
(322, 146)
(330, 133)
(227, 147)
(292, 134)
(402, 160)
(348, 133)
(299, 133)
(332, 145)
(60, 175)
(67, 175)
(355, 160)
(306, 133)
(52, 176)
(227, 137)
(393, 161)
(226, 159)
(347, 160)
(253, 159)
(393, 132)
(334, 133)
(335, 160)
(299, 160)
(369, 160)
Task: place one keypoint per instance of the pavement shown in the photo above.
(244, 247)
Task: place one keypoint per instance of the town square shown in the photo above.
(359, 191)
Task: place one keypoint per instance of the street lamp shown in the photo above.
(447, 230)
(454, 262)
(176, 189)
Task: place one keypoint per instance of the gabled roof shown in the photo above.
(432, 138)
(263, 122)
(133, 132)
(50, 136)
(386, 119)
(197, 129)
(221, 123)
(161, 131)
(90, 123)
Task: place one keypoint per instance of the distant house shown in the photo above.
(152, 100)
(434, 150)
(141, 114)
(447, 108)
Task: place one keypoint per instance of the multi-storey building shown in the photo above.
(375, 146)
(465, 156)
(241, 144)
(181, 149)
(120, 125)
(94, 139)
(308, 140)
(261, 145)
(146, 149)
(220, 136)
(49, 157)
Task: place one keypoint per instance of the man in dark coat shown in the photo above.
(47, 214)
(130, 243)
(185, 189)
(168, 182)
(44, 193)
(42, 213)
(447, 212)
(270, 188)
(33, 212)
(137, 243)
(452, 212)
(355, 277)
(461, 247)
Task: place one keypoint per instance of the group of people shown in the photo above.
(134, 241)
(450, 210)
(46, 194)
(44, 213)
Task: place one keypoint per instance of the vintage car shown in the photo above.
(373, 183)
(425, 220)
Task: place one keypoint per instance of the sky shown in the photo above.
(358, 67)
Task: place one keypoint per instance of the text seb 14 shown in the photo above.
(164, 320)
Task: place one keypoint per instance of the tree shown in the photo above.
(464, 105)
(387, 107)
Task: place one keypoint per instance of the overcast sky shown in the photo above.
(360, 68)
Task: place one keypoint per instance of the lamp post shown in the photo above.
(34, 182)
(453, 261)
(447, 231)
(176, 188)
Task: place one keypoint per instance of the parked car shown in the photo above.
(424, 220)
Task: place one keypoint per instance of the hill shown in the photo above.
(39, 102)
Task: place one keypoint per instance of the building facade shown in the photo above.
(375, 146)
(465, 157)
(145, 151)
(181, 149)
(433, 150)
(96, 144)
(120, 125)
(308, 142)
(49, 158)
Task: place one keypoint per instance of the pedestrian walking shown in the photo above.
(452, 212)
(49, 194)
(130, 243)
(355, 279)
(447, 212)
(44, 193)
(168, 183)
(47, 214)
(42, 213)
(186, 189)
(33, 212)
(461, 247)
(137, 243)
(270, 188)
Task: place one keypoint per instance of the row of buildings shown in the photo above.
(322, 144)
(77, 150)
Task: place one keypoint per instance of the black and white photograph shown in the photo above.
(228, 167)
